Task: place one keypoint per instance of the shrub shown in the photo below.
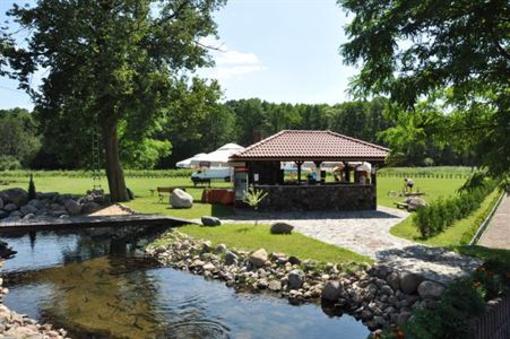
(31, 188)
(440, 214)
(460, 302)
(9, 163)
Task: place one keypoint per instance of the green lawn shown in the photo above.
(460, 231)
(432, 187)
(252, 237)
(147, 203)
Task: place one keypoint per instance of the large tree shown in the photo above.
(410, 49)
(109, 61)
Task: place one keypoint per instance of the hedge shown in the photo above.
(442, 213)
(166, 173)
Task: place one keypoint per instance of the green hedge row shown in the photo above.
(442, 213)
(167, 173)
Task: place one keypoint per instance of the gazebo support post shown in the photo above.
(299, 163)
(318, 169)
(347, 172)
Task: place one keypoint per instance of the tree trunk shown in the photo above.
(116, 182)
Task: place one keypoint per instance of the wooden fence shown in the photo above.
(495, 322)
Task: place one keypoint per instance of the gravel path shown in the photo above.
(497, 234)
(364, 232)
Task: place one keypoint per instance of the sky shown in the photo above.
(276, 50)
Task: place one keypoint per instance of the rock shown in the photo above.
(72, 206)
(332, 291)
(294, 260)
(274, 285)
(208, 267)
(409, 282)
(28, 209)
(90, 207)
(281, 228)
(230, 258)
(393, 280)
(221, 248)
(16, 214)
(386, 289)
(210, 221)
(207, 246)
(413, 203)
(430, 289)
(3, 214)
(295, 279)
(180, 199)
(1, 203)
(258, 258)
(29, 216)
(16, 196)
(10, 207)
(36, 203)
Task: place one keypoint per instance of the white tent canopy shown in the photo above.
(186, 163)
(218, 158)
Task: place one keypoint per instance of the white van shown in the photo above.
(212, 173)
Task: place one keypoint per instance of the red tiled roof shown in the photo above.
(312, 145)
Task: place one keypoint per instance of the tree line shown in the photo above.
(199, 122)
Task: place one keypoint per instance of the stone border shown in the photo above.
(379, 296)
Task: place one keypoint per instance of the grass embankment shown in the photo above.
(251, 237)
(459, 233)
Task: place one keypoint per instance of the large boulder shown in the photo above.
(258, 258)
(17, 196)
(72, 207)
(295, 279)
(210, 221)
(180, 199)
(414, 203)
(332, 291)
(409, 282)
(281, 228)
(430, 289)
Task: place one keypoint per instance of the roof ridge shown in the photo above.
(357, 140)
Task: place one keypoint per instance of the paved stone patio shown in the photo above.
(368, 233)
(364, 232)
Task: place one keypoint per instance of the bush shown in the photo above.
(440, 214)
(9, 163)
(460, 302)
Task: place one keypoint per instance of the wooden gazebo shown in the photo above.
(263, 166)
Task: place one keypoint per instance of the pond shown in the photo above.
(96, 287)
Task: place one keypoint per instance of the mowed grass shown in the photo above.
(251, 237)
(432, 187)
(145, 202)
(460, 232)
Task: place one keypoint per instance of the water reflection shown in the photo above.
(96, 295)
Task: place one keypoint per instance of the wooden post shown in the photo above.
(318, 170)
(299, 163)
(347, 171)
